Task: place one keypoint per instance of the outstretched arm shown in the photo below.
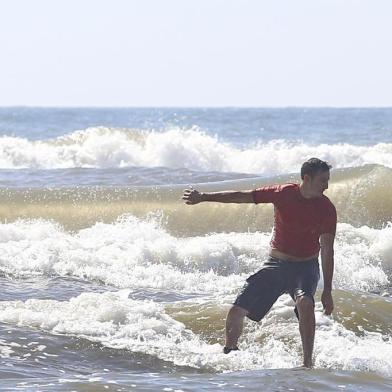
(327, 261)
(192, 196)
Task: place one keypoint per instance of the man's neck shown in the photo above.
(305, 192)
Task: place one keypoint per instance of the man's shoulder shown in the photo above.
(327, 203)
(280, 187)
(325, 199)
(287, 192)
(288, 187)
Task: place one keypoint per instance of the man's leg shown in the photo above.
(234, 325)
(256, 298)
(307, 325)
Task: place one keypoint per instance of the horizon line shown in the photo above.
(191, 107)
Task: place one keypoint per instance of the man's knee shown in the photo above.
(305, 303)
(237, 312)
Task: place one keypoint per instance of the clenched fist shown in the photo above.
(192, 196)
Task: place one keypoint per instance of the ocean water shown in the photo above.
(110, 282)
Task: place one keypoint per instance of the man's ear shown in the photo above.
(307, 178)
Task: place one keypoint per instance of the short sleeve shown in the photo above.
(267, 194)
(329, 221)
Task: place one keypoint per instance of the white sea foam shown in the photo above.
(339, 348)
(5, 349)
(363, 257)
(135, 253)
(116, 321)
(177, 148)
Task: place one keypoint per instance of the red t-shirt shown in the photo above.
(299, 222)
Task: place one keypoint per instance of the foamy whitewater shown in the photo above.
(110, 282)
(192, 149)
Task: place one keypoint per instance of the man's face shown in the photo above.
(319, 183)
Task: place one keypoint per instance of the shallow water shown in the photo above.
(110, 282)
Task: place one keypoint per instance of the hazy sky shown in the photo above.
(196, 53)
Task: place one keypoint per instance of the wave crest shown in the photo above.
(193, 149)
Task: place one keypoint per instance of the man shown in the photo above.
(305, 225)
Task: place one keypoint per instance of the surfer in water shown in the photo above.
(304, 227)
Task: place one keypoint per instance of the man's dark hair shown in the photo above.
(314, 166)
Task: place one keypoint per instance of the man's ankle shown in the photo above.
(308, 364)
(226, 349)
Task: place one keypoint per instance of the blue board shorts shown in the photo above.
(277, 277)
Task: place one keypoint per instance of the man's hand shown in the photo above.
(327, 301)
(192, 196)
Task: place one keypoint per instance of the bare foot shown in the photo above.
(303, 367)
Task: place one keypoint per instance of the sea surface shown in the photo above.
(111, 283)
